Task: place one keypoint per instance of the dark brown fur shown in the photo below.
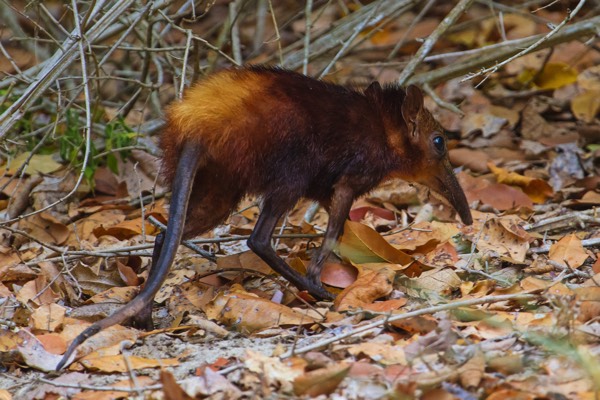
(285, 136)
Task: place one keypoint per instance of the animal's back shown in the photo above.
(270, 129)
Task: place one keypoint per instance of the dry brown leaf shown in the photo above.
(247, 260)
(357, 214)
(381, 353)
(53, 343)
(433, 284)
(487, 124)
(112, 336)
(322, 381)
(497, 195)
(92, 280)
(141, 380)
(586, 105)
(339, 275)
(119, 295)
(34, 354)
(37, 291)
(568, 250)
(510, 244)
(272, 370)
(589, 303)
(126, 229)
(59, 283)
(475, 160)
(368, 287)
(472, 371)
(209, 383)
(13, 269)
(59, 387)
(45, 229)
(84, 229)
(174, 279)
(197, 293)
(386, 305)
(117, 363)
(417, 325)
(37, 163)
(170, 387)
(596, 266)
(423, 237)
(48, 317)
(537, 189)
(444, 255)
(127, 273)
(9, 340)
(248, 313)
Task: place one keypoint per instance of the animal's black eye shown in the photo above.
(439, 143)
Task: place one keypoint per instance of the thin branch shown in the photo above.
(307, 28)
(397, 317)
(532, 47)
(485, 56)
(431, 40)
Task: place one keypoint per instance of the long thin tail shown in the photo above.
(182, 188)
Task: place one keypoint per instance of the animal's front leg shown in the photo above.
(260, 243)
(341, 201)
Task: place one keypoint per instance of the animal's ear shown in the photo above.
(374, 90)
(412, 106)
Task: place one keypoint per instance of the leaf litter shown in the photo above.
(529, 150)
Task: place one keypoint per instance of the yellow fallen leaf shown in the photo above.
(537, 189)
(586, 105)
(42, 163)
(555, 75)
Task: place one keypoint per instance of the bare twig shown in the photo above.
(490, 54)
(427, 46)
(59, 62)
(532, 47)
(307, 28)
(397, 317)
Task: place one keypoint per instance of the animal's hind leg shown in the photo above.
(143, 320)
(260, 243)
(205, 211)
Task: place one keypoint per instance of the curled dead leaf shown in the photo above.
(537, 189)
(368, 287)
